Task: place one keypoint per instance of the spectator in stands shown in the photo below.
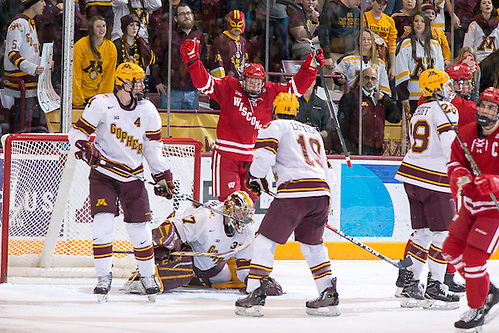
(339, 29)
(402, 18)
(376, 107)
(467, 55)
(22, 61)
(483, 32)
(132, 47)
(415, 54)
(301, 44)
(139, 8)
(314, 111)
(464, 11)
(160, 19)
(228, 52)
(100, 8)
(349, 66)
(8, 9)
(183, 93)
(438, 34)
(94, 63)
(384, 26)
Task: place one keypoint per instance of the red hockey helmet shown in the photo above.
(459, 72)
(254, 70)
(490, 94)
(486, 114)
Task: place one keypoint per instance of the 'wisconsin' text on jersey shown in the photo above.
(248, 115)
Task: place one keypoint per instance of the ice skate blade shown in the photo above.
(478, 329)
(102, 298)
(255, 311)
(329, 311)
(398, 292)
(432, 304)
(151, 298)
(410, 303)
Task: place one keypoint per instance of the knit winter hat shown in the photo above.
(28, 3)
(127, 19)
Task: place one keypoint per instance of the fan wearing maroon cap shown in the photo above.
(473, 231)
(245, 107)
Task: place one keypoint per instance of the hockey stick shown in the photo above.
(399, 264)
(461, 142)
(128, 173)
(204, 254)
(299, 9)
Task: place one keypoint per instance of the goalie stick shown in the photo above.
(399, 264)
(222, 255)
(461, 142)
(299, 9)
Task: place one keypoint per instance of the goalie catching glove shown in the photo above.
(256, 185)
(88, 153)
(459, 177)
(164, 187)
(487, 184)
(190, 50)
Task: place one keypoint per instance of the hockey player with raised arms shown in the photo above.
(127, 129)
(423, 172)
(295, 153)
(473, 231)
(245, 107)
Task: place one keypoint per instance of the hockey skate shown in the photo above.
(150, 287)
(252, 305)
(326, 304)
(455, 288)
(400, 282)
(491, 306)
(103, 286)
(437, 296)
(412, 292)
(471, 321)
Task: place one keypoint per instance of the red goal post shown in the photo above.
(46, 222)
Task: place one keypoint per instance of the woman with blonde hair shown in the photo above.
(94, 63)
(349, 66)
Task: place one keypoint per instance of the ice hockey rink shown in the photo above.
(366, 303)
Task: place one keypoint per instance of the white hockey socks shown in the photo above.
(318, 260)
(262, 262)
(102, 242)
(141, 237)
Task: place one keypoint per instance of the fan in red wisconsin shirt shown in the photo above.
(245, 107)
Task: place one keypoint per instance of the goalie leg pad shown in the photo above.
(175, 272)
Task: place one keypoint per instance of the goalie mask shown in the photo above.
(254, 80)
(238, 205)
(436, 81)
(130, 75)
(486, 111)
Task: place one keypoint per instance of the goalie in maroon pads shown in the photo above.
(473, 233)
(206, 231)
(245, 107)
(127, 129)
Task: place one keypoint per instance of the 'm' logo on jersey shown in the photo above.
(247, 114)
(94, 68)
(420, 67)
(101, 202)
(488, 43)
(123, 136)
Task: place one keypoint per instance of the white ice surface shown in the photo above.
(366, 302)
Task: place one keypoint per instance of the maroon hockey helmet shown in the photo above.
(459, 72)
(254, 70)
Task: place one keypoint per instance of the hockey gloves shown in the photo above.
(319, 59)
(256, 185)
(190, 50)
(487, 184)
(459, 177)
(164, 187)
(88, 153)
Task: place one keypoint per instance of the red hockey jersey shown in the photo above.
(240, 116)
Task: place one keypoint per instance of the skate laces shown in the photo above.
(443, 288)
(148, 282)
(104, 281)
(469, 315)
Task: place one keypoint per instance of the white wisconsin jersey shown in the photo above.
(408, 69)
(350, 67)
(23, 38)
(431, 135)
(204, 231)
(482, 44)
(295, 152)
(123, 136)
(141, 8)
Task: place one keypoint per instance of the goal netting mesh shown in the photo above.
(47, 211)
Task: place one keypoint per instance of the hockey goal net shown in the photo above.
(46, 222)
